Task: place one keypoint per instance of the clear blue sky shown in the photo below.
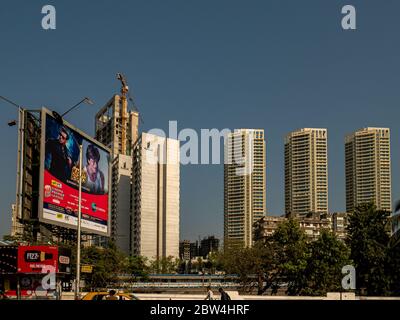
(278, 65)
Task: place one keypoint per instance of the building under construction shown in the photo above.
(117, 128)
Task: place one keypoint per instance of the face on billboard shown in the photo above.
(61, 179)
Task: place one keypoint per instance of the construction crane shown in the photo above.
(124, 110)
(124, 88)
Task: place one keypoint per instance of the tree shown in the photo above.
(136, 266)
(164, 265)
(393, 270)
(212, 262)
(248, 263)
(328, 256)
(394, 253)
(368, 240)
(10, 238)
(107, 264)
(291, 253)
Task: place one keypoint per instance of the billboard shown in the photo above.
(8, 259)
(33, 259)
(64, 260)
(59, 185)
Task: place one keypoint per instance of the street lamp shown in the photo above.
(84, 100)
(20, 149)
(59, 118)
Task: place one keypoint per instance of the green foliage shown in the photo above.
(10, 238)
(368, 240)
(327, 257)
(213, 262)
(248, 263)
(394, 268)
(164, 265)
(107, 263)
(291, 255)
(288, 259)
(136, 266)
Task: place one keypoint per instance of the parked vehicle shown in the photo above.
(97, 296)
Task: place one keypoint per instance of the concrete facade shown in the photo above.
(306, 171)
(117, 128)
(244, 185)
(120, 201)
(368, 168)
(339, 224)
(17, 228)
(155, 197)
(184, 250)
(312, 225)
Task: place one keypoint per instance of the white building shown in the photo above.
(244, 185)
(368, 172)
(155, 197)
(306, 171)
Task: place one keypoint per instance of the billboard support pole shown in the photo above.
(20, 162)
(78, 253)
(18, 288)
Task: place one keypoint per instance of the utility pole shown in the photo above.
(20, 160)
(78, 249)
(78, 253)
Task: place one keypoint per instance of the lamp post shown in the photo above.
(78, 249)
(78, 252)
(84, 100)
(20, 161)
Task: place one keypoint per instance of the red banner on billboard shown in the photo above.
(60, 196)
(37, 259)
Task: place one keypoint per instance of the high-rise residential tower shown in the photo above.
(306, 172)
(117, 128)
(244, 185)
(368, 173)
(155, 197)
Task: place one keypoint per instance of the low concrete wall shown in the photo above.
(68, 296)
(163, 296)
(235, 296)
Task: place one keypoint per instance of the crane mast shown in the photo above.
(123, 110)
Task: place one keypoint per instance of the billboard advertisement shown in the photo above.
(64, 260)
(60, 178)
(35, 259)
(32, 259)
(8, 259)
